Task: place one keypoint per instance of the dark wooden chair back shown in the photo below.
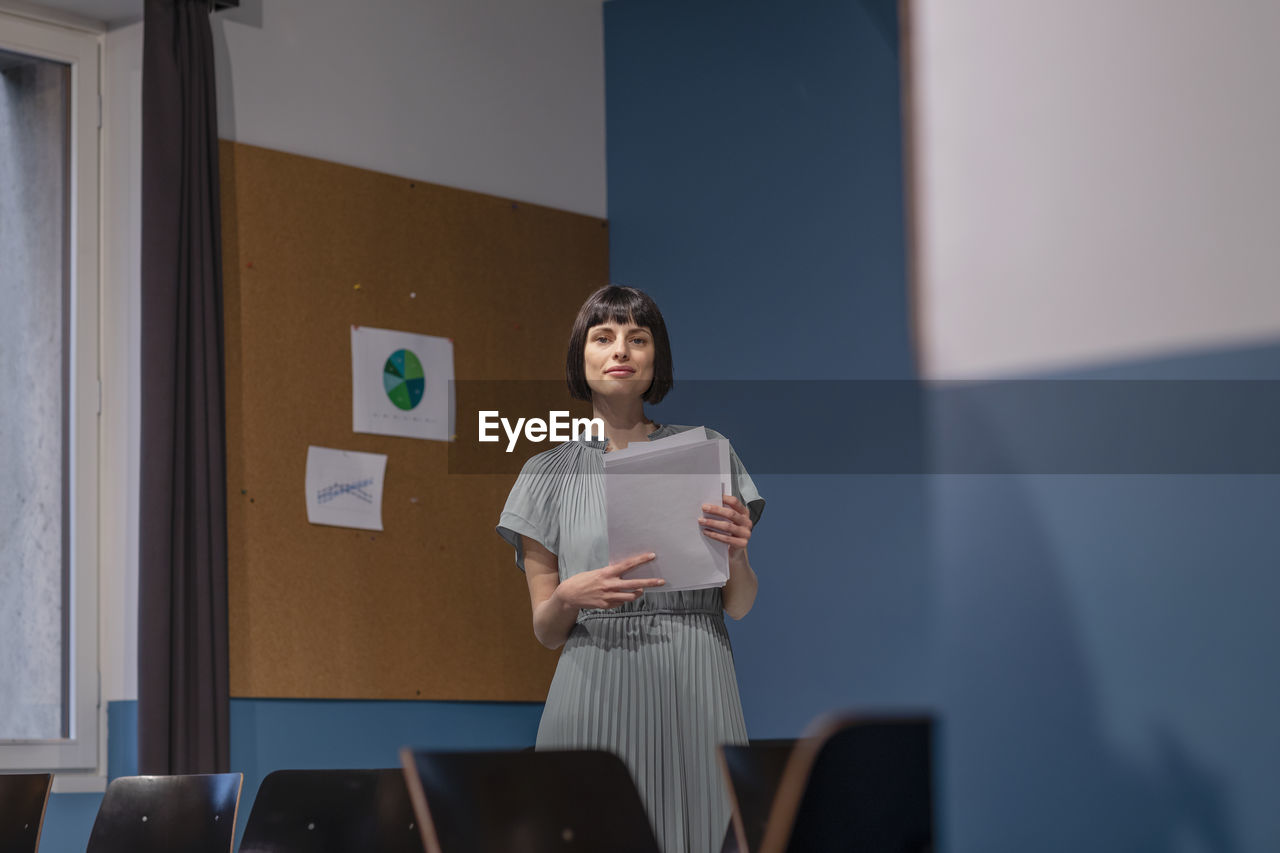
(752, 774)
(332, 811)
(160, 814)
(23, 797)
(535, 802)
(856, 784)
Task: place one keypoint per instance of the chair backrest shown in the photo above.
(23, 798)
(752, 773)
(535, 802)
(332, 811)
(856, 784)
(159, 814)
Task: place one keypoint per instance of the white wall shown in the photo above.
(1095, 181)
(498, 96)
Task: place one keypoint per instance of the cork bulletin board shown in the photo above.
(431, 607)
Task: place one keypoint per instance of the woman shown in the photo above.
(644, 673)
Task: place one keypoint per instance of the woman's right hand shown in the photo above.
(604, 589)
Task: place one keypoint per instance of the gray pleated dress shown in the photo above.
(652, 680)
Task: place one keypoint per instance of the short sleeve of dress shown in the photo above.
(533, 507)
(744, 488)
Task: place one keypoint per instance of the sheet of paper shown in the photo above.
(344, 487)
(653, 503)
(637, 447)
(401, 384)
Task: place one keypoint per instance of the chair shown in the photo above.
(534, 802)
(856, 784)
(332, 811)
(159, 814)
(23, 798)
(752, 774)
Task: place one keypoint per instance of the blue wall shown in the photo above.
(1106, 641)
(755, 190)
(1099, 648)
(755, 182)
(68, 820)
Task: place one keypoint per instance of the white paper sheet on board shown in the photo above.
(401, 384)
(344, 487)
(653, 503)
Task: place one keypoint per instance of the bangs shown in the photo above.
(621, 305)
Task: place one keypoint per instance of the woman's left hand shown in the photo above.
(730, 523)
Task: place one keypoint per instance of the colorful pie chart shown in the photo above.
(403, 380)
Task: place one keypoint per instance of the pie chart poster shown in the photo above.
(401, 384)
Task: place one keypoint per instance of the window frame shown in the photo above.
(82, 51)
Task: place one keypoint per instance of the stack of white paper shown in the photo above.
(654, 492)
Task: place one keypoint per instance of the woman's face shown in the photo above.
(618, 359)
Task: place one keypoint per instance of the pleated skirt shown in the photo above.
(655, 685)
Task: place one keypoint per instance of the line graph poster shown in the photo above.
(401, 384)
(344, 487)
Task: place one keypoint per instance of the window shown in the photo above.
(49, 126)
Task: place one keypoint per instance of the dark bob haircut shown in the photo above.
(618, 304)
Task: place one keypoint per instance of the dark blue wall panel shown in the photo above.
(756, 191)
(755, 182)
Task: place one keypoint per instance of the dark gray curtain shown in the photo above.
(182, 546)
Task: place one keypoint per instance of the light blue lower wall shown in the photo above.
(68, 820)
